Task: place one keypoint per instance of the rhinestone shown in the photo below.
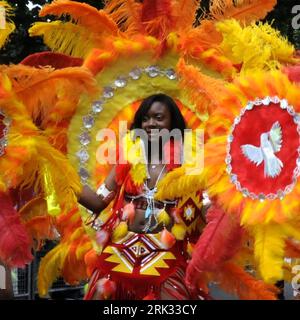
(230, 138)
(233, 178)
(261, 197)
(84, 175)
(88, 121)
(245, 192)
(121, 82)
(152, 71)
(298, 162)
(3, 142)
(171, 74)
(85, 138)
(291, 110)
(237, 120)
(228, 168)
(288, 189)
(252, 196)
(257, 102)
(97, 106)
(108, 92)
(228, 148)
(228, 159)
(283, 104)
(275, 99)
(280, 194)
(271, 196)
(266, 101)
(297, 118)
(249, 106)
(135, 73)
(6, 121)
(82, 155)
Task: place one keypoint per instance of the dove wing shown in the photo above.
(253, 153)
(276, 136)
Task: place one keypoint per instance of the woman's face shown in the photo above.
(157, 117)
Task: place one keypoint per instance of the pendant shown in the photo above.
(148, 212)
(153, 166)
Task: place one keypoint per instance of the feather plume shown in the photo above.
(158, 18)
(83, 14)
(66, 37)
(15, 245)
(219, 241)
(242, 10)
(52, 59)
(50, 268)
(269, 251)
(185, 13)
(202, 89)
(37, 222)
(127, 14)
(233, 279)
(40, 89)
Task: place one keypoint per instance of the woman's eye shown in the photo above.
(145, 119)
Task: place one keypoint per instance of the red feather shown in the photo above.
(15, 245)
(292, 249)
(53, 59)
(158, 17)
(220, 240)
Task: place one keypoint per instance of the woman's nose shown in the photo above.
(151, 122)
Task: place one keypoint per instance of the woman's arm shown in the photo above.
(97, 203)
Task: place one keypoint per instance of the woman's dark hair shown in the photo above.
(177, 120)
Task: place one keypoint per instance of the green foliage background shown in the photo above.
(21, 45)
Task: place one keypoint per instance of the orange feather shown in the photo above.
(242, 10)
(83, 14)
(158, 18)
(127, 14)
(233, 279)
(202, 89)
(185, 12)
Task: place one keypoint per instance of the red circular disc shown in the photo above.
(254, 165)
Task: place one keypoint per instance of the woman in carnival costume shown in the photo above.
(141, 49)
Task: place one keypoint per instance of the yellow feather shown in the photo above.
(269, 251)
(256, 47)
(66, 37)
(50, 268)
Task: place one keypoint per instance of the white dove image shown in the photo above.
(270, 143)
